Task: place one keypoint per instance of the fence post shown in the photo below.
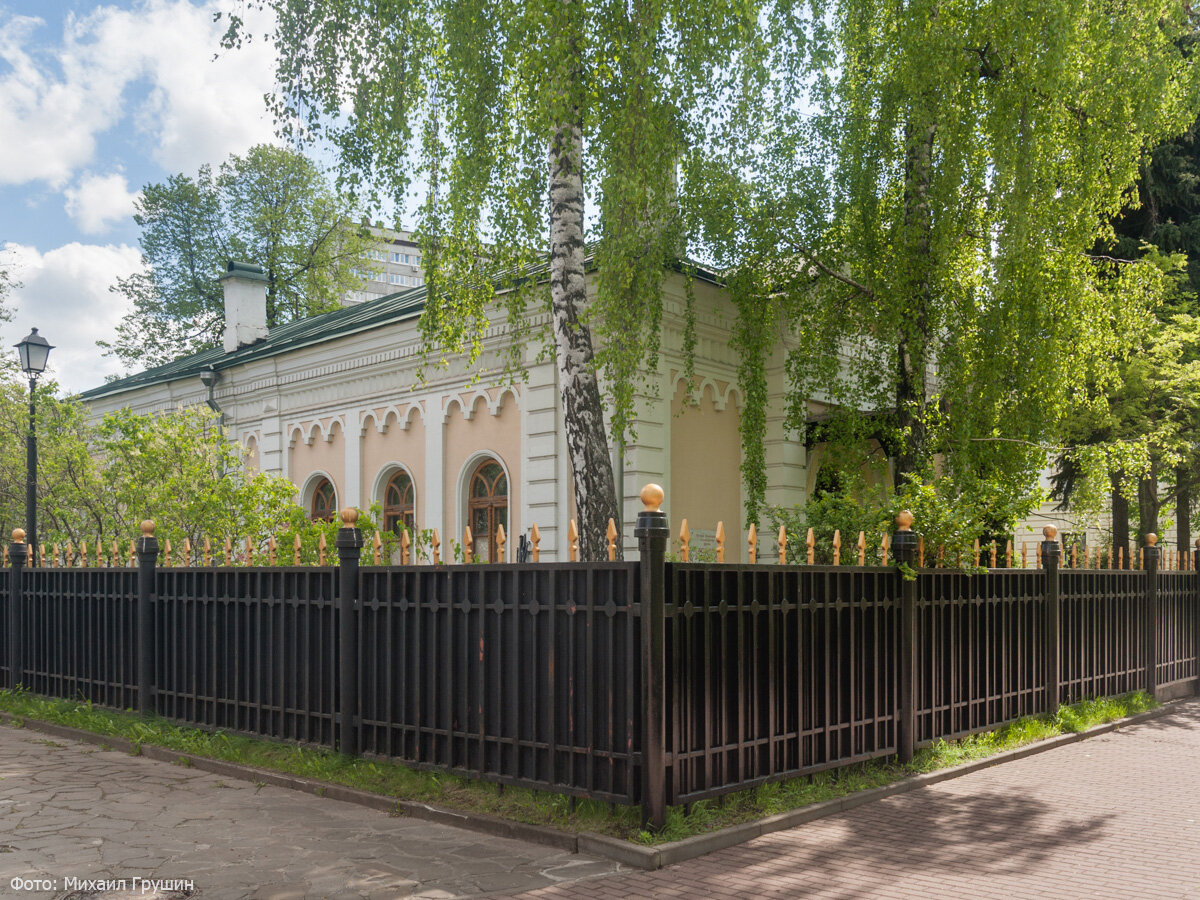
(16, 604)
(147, 554)
(1150, 614)
(652, 533)
(1051, 647)
(349, 547)
(904, 552)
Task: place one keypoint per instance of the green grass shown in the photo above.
(544, 808)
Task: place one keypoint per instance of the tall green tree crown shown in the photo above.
(460, 101)
(273, 207)
(922, 221)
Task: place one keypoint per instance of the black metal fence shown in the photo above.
(774, 671)
(649, 682)
(248, 649)
(524, 674)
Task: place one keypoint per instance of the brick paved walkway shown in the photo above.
(1113, 817)
(1116, 816)
(69, 810)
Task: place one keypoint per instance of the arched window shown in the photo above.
(324, 501)
(487, 507)
(399, 503)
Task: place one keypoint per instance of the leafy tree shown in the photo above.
(67, 489)
(924, 224)
(514, 114)
(178, 469)
(1148, 431)
(1152, 405)
(98, 481)
(1167, 218)
(272, 207)
(950, 516)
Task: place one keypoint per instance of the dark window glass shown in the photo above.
(324, 502)
(488, 508)
(399, 503)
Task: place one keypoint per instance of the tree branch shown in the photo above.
(845, 279)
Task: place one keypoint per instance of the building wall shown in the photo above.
(706, 448)
(393, 264)
(319, 449)
(480, 426)
(393, 438)
(355, 405)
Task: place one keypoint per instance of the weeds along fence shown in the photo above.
(647, 682)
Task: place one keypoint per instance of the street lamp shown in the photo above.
(34, 351)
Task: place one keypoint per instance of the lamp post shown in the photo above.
(34, 351)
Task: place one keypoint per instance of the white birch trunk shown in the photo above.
(583, 413)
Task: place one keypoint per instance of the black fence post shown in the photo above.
(17, 553)
(652, 532)
(1150, 615)
(349, 547)
(147, 555)
(904, 551)
(1051, 646)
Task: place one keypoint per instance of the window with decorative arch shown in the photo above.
(400, 503)
(324, 501)
(487, 508)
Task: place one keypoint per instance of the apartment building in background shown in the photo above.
(391, 266)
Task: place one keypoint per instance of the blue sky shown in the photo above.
(96, 100)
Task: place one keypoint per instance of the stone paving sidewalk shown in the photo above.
(1112, 817)
(72, 811)
(1117, 816)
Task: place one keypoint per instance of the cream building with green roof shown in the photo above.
(335, 404)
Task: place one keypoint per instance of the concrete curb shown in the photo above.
(625, 852)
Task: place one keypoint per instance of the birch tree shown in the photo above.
(925, 222)
(509, 118)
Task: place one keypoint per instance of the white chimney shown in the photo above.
(245, 305)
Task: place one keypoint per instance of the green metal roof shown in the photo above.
(315, 330)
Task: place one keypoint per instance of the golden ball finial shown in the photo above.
(349, 517)
(652, 497)
(1050, 532)
(904, 520)
(18, 535)
(1151, 539)
(147, 528)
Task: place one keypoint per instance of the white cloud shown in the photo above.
(57, 100)
(64, 294)
(98, 201)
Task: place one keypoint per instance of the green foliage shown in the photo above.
(949, 512)
(179, 470)
(66, 483)
(272, 207)
(900, 206)
(859, 505)
(464, 97)
(1148, 429)
(98, 481)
